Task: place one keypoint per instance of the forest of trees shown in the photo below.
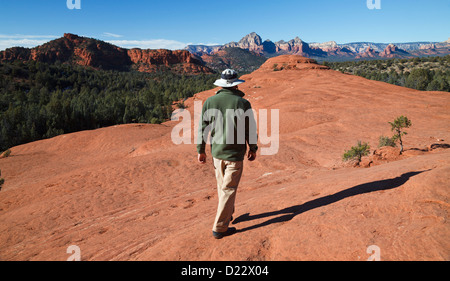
(426, 74)
(38, 100)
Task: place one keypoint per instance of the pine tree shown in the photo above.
(357, 152)
(397, 127)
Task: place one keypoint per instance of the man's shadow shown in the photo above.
(290, 212)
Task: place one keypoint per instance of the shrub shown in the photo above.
(386, 141)
(357, 152)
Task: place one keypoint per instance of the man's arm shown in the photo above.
(201, 143)
(251, 136)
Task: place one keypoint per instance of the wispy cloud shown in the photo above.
(150, 44)
(23, 36)
(108, 34)
(23, 40)
(30, 41)
(205, 44)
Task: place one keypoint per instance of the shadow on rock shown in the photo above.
(290, 212)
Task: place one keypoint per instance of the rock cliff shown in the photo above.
(77, 50)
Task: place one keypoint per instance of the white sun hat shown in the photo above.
(229, 78)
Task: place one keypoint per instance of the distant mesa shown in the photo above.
(328, 51)
(77, 50)
(369, 53)
(246, 55)
(392, 51)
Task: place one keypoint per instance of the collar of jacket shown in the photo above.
(230, 91)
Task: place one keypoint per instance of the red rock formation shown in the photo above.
(14, 53)
(369, 53)
(74, 49)
(290, 62)
(393, 51)
(251, 42)
(150, 60)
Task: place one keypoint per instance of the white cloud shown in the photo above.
(108, 34)
(149, 44)
(22, 36)
(30, 41)
(205, 44)
(22, 40)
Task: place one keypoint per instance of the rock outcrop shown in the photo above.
(329, 50)
(290, 62)
(392, 51)
(74, 49)
(368, 53)
(251, 42)
(151, 60)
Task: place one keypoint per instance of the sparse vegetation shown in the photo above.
(357, 152)
(386, 141)
(399, 124)
(363, 149)
(426, 74)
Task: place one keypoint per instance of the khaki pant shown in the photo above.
(228, 175)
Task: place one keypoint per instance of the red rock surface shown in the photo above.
(128, 193)
(290, 62)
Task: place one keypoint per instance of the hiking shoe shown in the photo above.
(220, 235)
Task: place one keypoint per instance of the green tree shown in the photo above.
(357, 152)
(419, 79)
(399, 124)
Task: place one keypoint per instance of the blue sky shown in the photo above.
(174, 23)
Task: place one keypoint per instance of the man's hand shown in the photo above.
(202, 158)
(251, 155)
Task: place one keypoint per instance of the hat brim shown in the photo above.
(227, 84)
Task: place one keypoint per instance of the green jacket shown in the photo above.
(229, 118)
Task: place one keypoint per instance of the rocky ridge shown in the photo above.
(330, 50)
(77, 50)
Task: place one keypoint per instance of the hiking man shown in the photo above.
(230, 119)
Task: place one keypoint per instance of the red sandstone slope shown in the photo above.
(128, 193)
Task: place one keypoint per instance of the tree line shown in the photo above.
(425, 74)
(39, 100)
